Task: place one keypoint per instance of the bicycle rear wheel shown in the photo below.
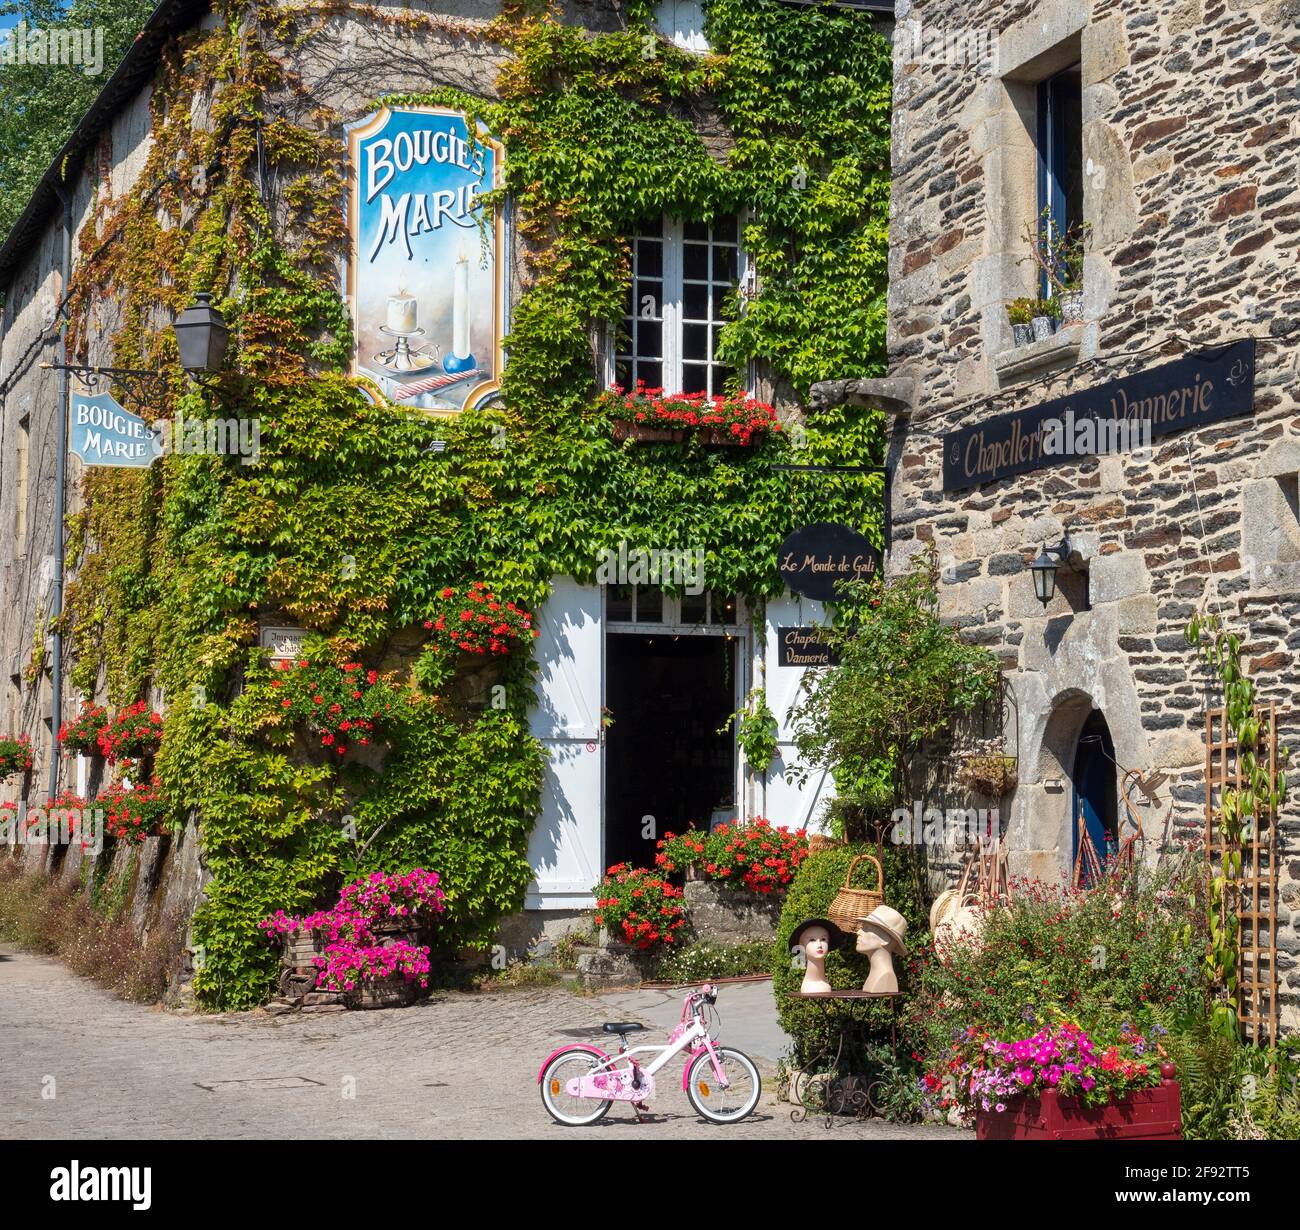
(723, 1105)
(570, 1064)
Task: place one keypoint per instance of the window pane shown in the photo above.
(651, 374)
(649, 340)
(724, 265)
(722, 609)
(695, 230)
(649, 299)
(720, 294)
(623, 374)
(618, 603)
(695, 262)
(650, 258)
(649, 604)
(695, 342)
(694, 608)
(720, 375)
(695, 302)
(727, 229)
(695, 378)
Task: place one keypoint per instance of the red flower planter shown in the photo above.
(1147, 1114)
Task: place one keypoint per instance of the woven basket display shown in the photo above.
(851, 903)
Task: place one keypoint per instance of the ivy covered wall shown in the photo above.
(350, 525)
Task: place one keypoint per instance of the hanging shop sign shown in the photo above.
(1115, 417)
(815, 558)
(104, 434)
(426, 276)
(804, 647)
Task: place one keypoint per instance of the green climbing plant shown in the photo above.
(350, 525)
(756, 731)
(1240, 813)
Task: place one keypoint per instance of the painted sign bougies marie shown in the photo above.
(813, 559)
(104, 434)
(427, 271)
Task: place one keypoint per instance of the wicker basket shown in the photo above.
(851, 903)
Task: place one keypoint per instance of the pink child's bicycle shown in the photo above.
(580, 1082)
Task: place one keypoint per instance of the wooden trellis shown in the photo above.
(1256, 889)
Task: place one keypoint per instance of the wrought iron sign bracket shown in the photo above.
(140, 385)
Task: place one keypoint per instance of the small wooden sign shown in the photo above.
(804, 647)
(814, 559)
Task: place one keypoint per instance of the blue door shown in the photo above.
(1094, 799)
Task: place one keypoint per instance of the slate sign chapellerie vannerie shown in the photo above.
(804, 647)
(1193, 390)
(813, 559)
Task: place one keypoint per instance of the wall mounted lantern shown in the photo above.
(201, 334)
(1044, 570)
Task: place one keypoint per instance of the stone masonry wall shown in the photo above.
(1191, 145)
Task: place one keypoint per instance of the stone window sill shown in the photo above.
(1059, 350)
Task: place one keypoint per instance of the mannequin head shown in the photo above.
(815, 941)
(871, 939)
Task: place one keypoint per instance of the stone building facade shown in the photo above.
(367, 54)
(1186, 135)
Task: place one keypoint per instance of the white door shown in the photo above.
(564, 851)
(789, 803)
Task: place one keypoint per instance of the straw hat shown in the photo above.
(892, 923)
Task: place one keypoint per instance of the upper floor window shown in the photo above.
(1060, 156)
(682, 21)
(682, 274)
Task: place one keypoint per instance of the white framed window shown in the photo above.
(682, 273)
(682, 21)
(648, 609)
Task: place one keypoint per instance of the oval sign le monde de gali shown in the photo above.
(814, 558)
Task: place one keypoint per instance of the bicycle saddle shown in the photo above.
(621, 1027)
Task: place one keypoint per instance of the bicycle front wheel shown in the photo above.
(569, 1064)
(714, 1102)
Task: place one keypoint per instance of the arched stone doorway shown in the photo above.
(1094, 799)
(1075, 774)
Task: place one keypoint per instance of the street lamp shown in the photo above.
(201, 334)
(1044, 570)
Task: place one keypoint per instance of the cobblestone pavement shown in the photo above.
(458, 1066)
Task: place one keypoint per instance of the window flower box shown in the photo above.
(1144, 1114)
(651, 415)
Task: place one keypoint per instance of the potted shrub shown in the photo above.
(81, 733)
(988, 771)
(724, 419)
(365, 948)
(339, 705)
(473, 621)
(133, 815)
(15, 755)
(1044, 318)
(135, 732)
(639, 908)
(1059, 1084)
(1058, 255)
(1020, 312)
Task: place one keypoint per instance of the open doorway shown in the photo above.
(668, 697)
(1096, 806)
